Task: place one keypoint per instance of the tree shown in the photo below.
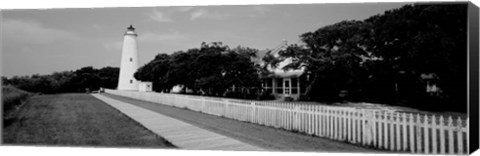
(156, 72)
(419, 39)
(382, 58)
(332, 54)
(4, 80)
(109, 77)
(68, 81)
(210, 69)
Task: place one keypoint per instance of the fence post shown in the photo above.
(295, 117)
(368, 121)
(468, 136)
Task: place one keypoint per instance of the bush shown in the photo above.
(288, 99)
(235, 95)
(266, 96)
(303, 98)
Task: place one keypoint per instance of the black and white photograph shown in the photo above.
(322, 78)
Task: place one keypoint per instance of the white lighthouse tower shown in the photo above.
(129, 62)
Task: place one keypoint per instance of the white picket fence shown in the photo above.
(373, 128)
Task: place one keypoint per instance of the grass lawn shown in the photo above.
(76, 120)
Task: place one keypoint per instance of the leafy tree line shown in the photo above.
(383, 58)
(209, 70)
(81, 80)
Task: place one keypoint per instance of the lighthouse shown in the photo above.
(129, 61)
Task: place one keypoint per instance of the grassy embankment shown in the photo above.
(76, 120)
(12, 99)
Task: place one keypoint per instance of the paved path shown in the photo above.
(179, 133)
(268, 138)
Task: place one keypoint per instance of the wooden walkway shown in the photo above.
(179, 133)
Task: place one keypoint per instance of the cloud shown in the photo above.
(150, 37)
(97, 26)
(31, 32)
(205, 14)
(116, 45)
(259, 11)
(159, 16)
(184, 9)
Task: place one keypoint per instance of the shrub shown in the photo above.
(266, 96)
(288, 99)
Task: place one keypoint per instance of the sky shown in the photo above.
(43, 41)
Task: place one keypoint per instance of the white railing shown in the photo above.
(373, 128)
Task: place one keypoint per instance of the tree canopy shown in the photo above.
(86, 78)
(383, 58)
(210, 69)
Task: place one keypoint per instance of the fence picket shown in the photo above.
(344, 135)
(425, 134)
(459, 136)
(380, 129)
(404, 132)
(390, 128)
(442, 135)
(397, 131)
(434, 135)
(335, 124)
(374, 124)
(349, 125)
(384, 128)
(418, 134)
(450, 135)
(355, 130)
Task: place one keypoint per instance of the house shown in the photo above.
(279, 82)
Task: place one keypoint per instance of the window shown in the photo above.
(294, 82)
(294, 91)
(279, 82)
(131, 81)
(287, 86)
(279, 91)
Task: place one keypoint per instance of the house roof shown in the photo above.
(286, 74)
(278, 71)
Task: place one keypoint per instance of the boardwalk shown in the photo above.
(179, 133)
(271, 139)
